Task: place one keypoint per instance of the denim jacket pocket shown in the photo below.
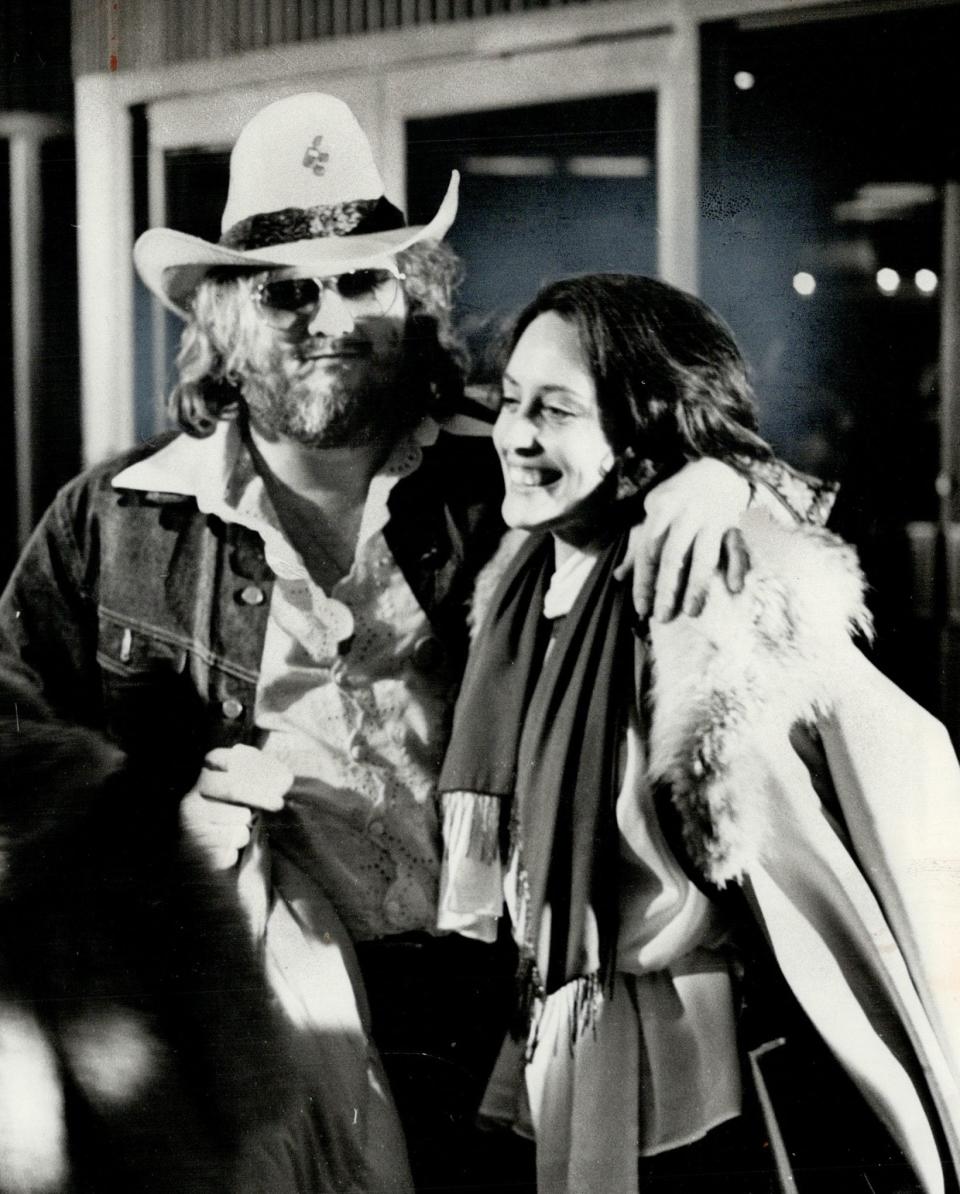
(152, 709)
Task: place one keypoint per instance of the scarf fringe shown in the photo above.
(483, 844)
(584, 995)
(584, 998)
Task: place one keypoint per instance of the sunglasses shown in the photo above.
(282, 302)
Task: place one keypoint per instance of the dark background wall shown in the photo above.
(36, 79)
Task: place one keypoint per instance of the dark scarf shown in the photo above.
(543, 733)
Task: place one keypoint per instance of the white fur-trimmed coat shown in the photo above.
(853, 870)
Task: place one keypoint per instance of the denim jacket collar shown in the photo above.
(206, 469)
(218, 473)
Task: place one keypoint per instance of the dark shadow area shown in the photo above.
(36, 80)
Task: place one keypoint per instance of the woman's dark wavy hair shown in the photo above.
(210, 361)
(671, 382)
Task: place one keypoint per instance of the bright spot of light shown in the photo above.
(608, 166)
(804, 283)
(743, 80)
(888, 280)
(925, 281)
(511, 165)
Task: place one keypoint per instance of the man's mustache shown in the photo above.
(345, 346)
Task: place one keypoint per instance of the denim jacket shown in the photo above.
(137, 615)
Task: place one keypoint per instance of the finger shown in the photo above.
(246, 777)
(222, 860)
(221, 837)
(259, 779)
(219, 758)
(734, 560)
(671, 581)
(635, 542)
(210, 811)
(646, 564)
(218, 785)
(704, 561)
(214, 826)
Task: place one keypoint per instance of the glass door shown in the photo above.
(546, 190)
(189, 186)
(826, 150)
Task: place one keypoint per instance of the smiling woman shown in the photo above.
(607, 780)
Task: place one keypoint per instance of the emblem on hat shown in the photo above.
(316, 158)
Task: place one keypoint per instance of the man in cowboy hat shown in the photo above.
(274, 601)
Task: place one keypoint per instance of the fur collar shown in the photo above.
(732, 684)
(742, 674)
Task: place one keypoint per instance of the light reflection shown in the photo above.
(743, 80)
(925, 281)
(888, 280)
(804, 284)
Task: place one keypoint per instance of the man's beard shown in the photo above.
(332, 404)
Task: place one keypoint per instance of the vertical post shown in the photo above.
(948, 481)
(25, 217)
(948, 484)
(104, 242)
(26, 132)
(678, 159)
(157, 217)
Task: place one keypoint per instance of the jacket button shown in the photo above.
(428, 654)
(252, 595)
(232, 708)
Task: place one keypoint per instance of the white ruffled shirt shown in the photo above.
(352, 695)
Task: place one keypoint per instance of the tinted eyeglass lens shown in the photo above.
(293, 296)
(366, 285)
(284, 301)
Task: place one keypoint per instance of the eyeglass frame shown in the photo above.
(293, 274)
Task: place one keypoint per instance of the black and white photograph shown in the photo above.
(480, 597)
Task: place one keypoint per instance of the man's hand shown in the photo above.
(688, 533)
(218, 810)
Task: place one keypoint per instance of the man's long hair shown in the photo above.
(671, 382)
(212, 358)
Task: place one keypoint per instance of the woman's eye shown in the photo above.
(509, 400)
(559, 414)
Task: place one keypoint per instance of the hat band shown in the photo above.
(353, 218)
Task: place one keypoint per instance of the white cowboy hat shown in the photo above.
(305, 192)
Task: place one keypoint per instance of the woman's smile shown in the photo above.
(524, 477)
